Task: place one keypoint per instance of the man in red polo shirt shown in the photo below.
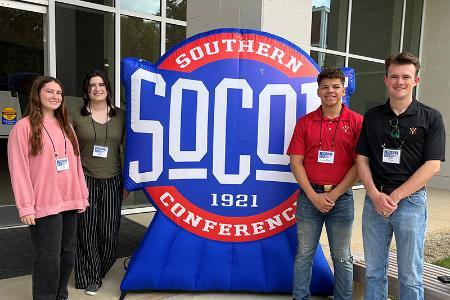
(322, 154)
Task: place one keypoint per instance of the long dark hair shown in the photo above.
(86, 89)
(35, 115)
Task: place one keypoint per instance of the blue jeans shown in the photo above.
(338, 222)
(408, 223)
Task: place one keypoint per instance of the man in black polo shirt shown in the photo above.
(401, 146)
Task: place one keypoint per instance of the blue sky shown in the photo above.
(319, 3)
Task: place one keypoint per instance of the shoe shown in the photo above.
(92, 289)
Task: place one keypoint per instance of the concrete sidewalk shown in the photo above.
(19, 288)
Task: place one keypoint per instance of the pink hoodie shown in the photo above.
(38, 188)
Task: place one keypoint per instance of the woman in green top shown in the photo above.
(100, 130)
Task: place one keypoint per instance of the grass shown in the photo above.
(443, 262)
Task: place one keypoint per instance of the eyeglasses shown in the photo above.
(395, 133)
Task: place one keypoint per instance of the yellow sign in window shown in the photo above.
(9, 116)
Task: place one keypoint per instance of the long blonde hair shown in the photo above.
(34, 112)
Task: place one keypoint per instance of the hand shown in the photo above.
(80, 211)
(332, 196)
(28, 220)
(395, 197)
(322, 202)
(125, 194)
(384, 205)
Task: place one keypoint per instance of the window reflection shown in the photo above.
(328, 60)
(146, 6)
(140, 38)
(21, 42)
(370, 89)
(174, 35)
(84, 41)
(329, 24)
(413, 22)
(22, 53)
(375, 28)
(103, 2)
(176, 9)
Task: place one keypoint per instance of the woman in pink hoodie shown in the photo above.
(49, 186)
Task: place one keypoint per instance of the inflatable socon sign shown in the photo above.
(207, 131)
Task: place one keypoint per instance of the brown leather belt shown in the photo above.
(325, 187)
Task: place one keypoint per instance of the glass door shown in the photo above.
(22, 58)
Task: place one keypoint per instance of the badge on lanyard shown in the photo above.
(100, 151)
(326, 157)
(62, 164)
(391, 156)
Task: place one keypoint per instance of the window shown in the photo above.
(329, 24)
(370, 90)
(375, 27)
(174, 35)
(145, 6)
(176, 9)
(84, 42)
(102, 2)
(22, 42)
(328, 60)
(140, 38)
(413, 22)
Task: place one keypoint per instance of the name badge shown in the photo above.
(100, 151)
(326, 157)
(62, 164)
(391, 156)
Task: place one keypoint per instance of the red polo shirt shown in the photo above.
(306, 139)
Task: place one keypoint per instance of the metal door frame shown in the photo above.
(40, 7)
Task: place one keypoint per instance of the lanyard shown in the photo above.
(93, 126)
(51, 140)
(335, 129)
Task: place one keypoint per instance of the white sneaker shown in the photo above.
(92, 289)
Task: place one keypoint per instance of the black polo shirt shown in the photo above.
(422, 138)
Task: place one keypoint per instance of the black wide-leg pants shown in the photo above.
(98, 230)
(54, 247)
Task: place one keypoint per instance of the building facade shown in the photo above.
(68, 38)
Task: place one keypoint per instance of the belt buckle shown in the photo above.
(327, 187)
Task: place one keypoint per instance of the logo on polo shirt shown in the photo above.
(412, 130)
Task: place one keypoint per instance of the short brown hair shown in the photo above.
(330, 73)
(403, 58)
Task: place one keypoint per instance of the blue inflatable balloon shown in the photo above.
(350, 82)
(207, 131)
